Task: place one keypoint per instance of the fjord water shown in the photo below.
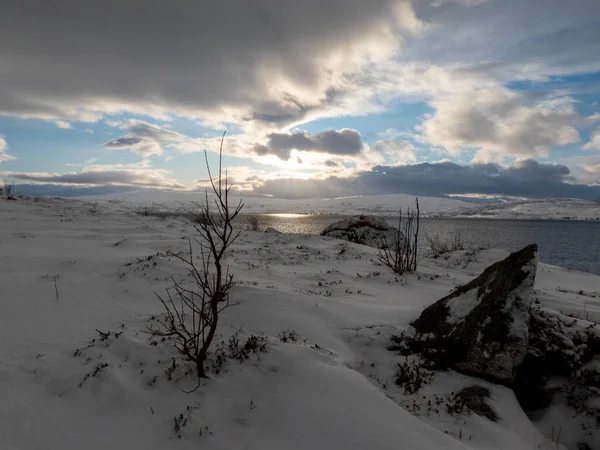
(572, 244)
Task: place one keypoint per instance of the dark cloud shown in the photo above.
(526, 36)
(342, 142)
(124, 142)
(331, 163)
(524, 179)
(64, 59)
(531, 171)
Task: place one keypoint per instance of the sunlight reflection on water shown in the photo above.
(571, 244)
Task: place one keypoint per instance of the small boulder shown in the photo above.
(481, 328)
(272, 230)
(366, 230)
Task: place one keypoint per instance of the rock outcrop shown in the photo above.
(560, 348)
(481, 328)
(366, 230)
(490, 328)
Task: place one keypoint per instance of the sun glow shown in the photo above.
(286, 215)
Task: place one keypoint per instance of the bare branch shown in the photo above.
(192, 314)
(401, 255)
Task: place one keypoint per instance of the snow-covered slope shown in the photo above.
(558, 208)
(70, 268)
(371, 204)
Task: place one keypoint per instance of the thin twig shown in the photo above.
(56, 288)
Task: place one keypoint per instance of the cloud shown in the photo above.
(123, 175)
(149, 139)
(594, 143)
(264, 67)
(591, 174)
(391, 151)
(62, 190)
(498, 121)
(87, 163)
(142, 146)
(527, 178)
(4, 156)
(233, 60)
(345, 142)
(467, 3)
(510, 39)
(143, 138)
(270, 64)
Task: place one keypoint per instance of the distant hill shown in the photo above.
(553, 208)
(386, 205)
(372, 204)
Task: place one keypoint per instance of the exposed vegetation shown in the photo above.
(438, 246)
(401, 254)
(8, 191)
(253, 223)
(412, 376)
(192, 314)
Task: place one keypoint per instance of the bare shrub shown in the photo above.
(8, 191)
(192, 315)
(287, 336)
(401, 254)
(439, 247)
(413, 375)
(237, 350)
(253, 223)
(241, 351)
(456, 241)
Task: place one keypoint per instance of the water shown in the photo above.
(570, 244)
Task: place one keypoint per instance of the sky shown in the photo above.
(318, 98)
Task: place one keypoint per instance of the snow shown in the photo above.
(553, 208)
(69, 268)
(519, 301)
(387, 204)
(272, 230)
(384, 205)
(461, 306)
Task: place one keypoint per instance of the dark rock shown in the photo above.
(481, 328)
(366, 230)
(474, 399)
(559, 346)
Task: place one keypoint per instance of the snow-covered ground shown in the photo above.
(554, 208)
(69, 268)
